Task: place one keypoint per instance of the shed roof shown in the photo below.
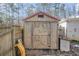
(39, 13)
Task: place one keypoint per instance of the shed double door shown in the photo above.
(41, 35)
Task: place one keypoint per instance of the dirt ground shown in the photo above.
(74, 51)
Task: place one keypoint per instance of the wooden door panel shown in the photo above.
(40, 28)
(40, 42)
(41, 35)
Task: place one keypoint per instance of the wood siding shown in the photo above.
(6, 44)
(7, 40)
(41, 33)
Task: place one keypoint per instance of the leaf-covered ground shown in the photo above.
(74, 51)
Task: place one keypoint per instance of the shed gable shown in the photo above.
(41, 16)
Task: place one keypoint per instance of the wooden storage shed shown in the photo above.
(41, 31)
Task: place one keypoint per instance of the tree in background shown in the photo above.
(13, 10)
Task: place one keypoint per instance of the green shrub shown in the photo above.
(75, 41)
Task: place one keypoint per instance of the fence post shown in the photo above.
(13, 40)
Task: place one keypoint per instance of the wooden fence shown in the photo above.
(8, 35)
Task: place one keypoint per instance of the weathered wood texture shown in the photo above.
(27, 35)
(54, 36)
(41, 33)
(7, 40)
(17, 32)
(38, 52)
(6, 44)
